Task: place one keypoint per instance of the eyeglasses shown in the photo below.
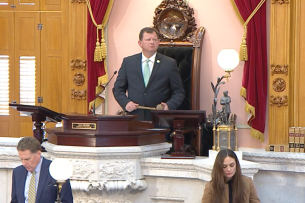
(151, 39)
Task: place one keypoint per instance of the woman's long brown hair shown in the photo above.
(219, 182)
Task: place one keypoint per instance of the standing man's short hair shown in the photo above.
(149, 30)
(29, 143)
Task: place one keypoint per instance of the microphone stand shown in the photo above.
(93, 107)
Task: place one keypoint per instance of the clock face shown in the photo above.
(223, 139)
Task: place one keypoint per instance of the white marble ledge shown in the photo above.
(276, 161)
(8, 151)
(9, 158)
(108, 152)
(198, 168)
(9, 141)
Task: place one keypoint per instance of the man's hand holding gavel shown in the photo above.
(131, 106)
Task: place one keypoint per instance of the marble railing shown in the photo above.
(138, 174)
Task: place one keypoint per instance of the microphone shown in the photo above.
(93, 109)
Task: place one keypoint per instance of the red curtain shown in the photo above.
(95, 69)
(254, 82)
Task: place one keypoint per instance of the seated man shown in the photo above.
(149, 78)
(32, 181)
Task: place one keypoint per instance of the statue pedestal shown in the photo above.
(225, 137)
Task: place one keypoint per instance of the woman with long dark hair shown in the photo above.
(228, 185)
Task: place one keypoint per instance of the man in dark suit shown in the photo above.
(29, 151)
(163, 87)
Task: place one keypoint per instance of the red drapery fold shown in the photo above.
(254, 82)
(95, 69)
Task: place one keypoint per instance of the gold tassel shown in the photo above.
(103, 50)
(97, 52)
(243, 50)
(103, 46)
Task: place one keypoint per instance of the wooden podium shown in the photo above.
(93, 131)
(39, 115)
(181, 120)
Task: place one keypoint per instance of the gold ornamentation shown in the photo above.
(78, 94)
(279, 69)
(79, 79)
(280, 1)
(196, 43)
(279, 101)
(171, 43)
(279, 84)
(78, 1)
(78, 64)
(174, 20)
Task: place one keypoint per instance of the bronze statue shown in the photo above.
(225, 102)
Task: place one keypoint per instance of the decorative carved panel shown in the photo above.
(78, 94)
(79, 79)
(78, 64)
(279, 84)
(279, 101)
(174, 20)
(280, 1)
(278, 69)
(82, 169)
(116, 170)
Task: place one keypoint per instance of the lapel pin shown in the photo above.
(158, 61)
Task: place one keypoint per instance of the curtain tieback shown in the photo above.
(243, 51)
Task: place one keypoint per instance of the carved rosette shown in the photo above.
(116, 170)
(78, 94)
(78, 64)
(79, 79)
(279, 84)
(279, 101)
(174, 20)
(279, 69)
(280, 1)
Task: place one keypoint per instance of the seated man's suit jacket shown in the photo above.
(164, 84)
(46, 191)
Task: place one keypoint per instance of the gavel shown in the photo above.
(158, 107)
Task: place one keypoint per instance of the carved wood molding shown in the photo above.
(78, 1)
(278, 101)
(280, 1)
(174, 20)
(79, 79)
(279, 84)
(279, 69)
(78, 64)
(78, 94)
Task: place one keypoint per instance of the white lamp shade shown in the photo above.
(228, 59)
(61, 169)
